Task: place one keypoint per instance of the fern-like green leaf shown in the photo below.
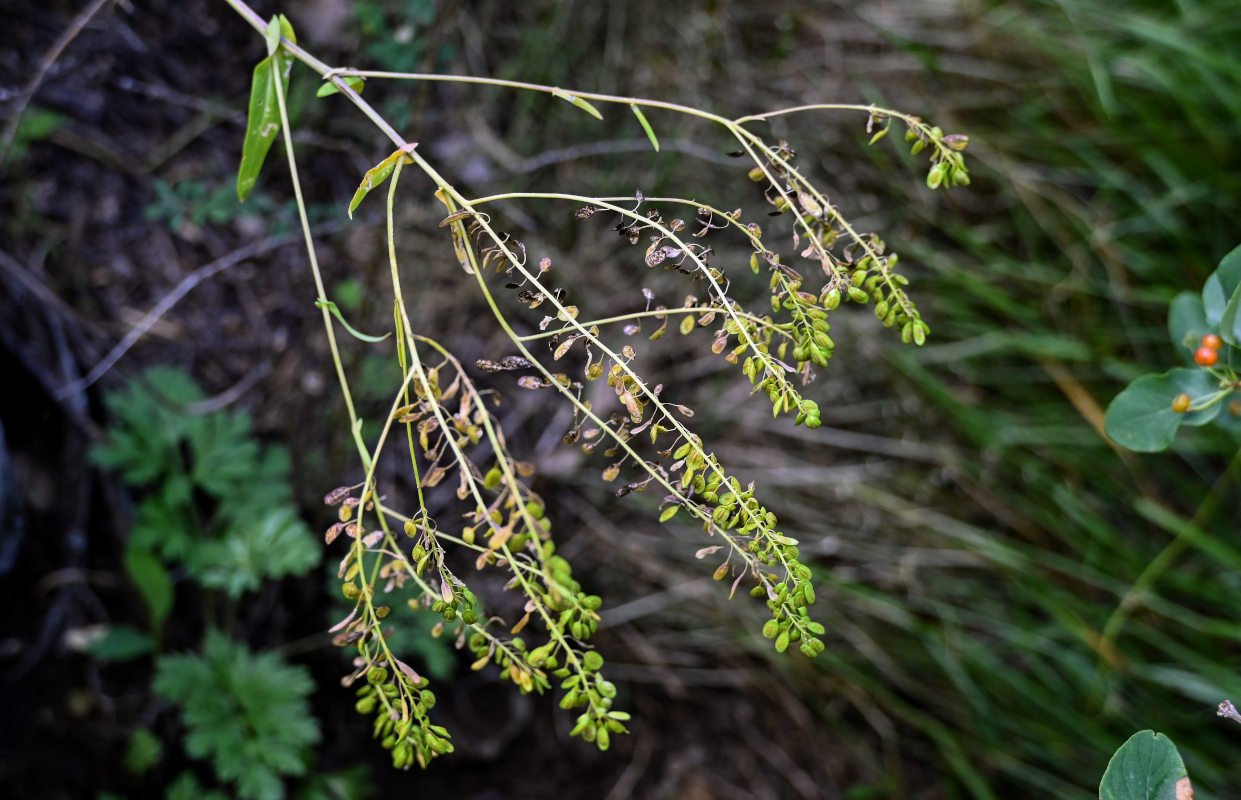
(247, 713)
(270, 545)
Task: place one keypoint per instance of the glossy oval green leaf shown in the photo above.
(1141, 417)
(375, 176)
(1230, 320)
(354, 332)
(646, 126)
(1221, 285)
(577, 101)
(352, 81)
(1147, 767)
(1187, 324)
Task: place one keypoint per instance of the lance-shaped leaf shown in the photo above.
(352, 81)
(354, 332)
(646, 126)
(577, 101)
(375, 176)
(263, 122)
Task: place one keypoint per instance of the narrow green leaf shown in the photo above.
(330, 306)
(151, 577)
(264, 119)
(1147, 767)
(121, 643)
(646, 126)
(374, 177)
(352, 81)
(273, 35)
(261, 127)
(577, 101)
(286, 29)
(1141, 417)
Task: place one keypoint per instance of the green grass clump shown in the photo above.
(1046, 594)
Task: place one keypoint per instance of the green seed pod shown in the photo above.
(602, 739)
(365, 706)
(376, 675)
(411, 528)
(592, 660)
(351, 591)
(770, 629)
(857, 295)
(782, 642)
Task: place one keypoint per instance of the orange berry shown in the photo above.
(1206, 357)
(1180, 404)
(1212, 341)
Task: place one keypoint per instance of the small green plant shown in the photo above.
(1206, 330)
(218, 505)
(247, 713)
(811, 263)
(248, 532)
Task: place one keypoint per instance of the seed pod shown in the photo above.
(782, 642)
(336, 495)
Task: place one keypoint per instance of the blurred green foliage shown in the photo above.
(245, 712)
(216, 500)
(218, 505)
(1095, 592)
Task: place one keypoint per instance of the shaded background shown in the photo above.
(972, 532)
